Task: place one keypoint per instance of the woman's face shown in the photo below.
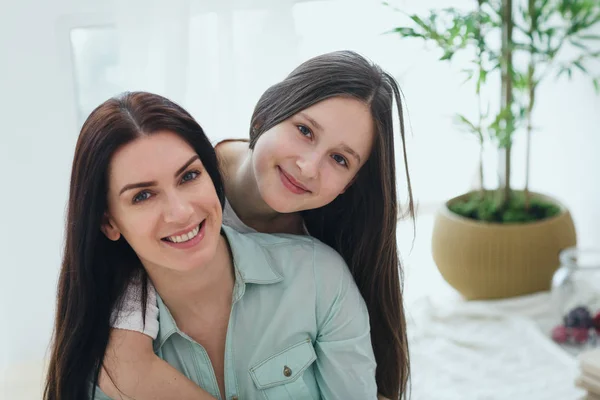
(306, 161)
(163, 202)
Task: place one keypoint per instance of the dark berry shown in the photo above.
(579, 317)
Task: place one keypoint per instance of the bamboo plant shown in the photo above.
(533, 30)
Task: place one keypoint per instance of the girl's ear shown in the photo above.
(109, 228)
(348, 185)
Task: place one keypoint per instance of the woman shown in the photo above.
(146, 201)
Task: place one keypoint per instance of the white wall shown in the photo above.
(36, 144)
(566, 157)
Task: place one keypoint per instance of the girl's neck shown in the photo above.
(242, 193)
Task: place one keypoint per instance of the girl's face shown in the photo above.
(163, 202)
(306, 161)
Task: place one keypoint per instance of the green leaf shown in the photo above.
(419, 21)
(579, 45)
(589, 37)
(596, 85)
(465, 121)
(471, 26)
(406, 32)
(470, 127)
(447, 56)
(481, 79)
(580, 66)
(469, 73)
(564, 69)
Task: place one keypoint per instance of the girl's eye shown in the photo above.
(340, 160)
(190, 176)
(141, 196)
(304, 131)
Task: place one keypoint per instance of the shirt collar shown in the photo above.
(250, 259)
(252, 265)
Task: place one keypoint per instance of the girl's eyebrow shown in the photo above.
(349, 150)
(311, 120)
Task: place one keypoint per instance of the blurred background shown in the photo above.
(61, 58)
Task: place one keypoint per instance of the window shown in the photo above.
(217, 59)
(95, 65)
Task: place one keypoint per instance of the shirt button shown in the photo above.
(287, 371)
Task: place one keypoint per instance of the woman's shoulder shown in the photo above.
(272, 244)
(289, 253)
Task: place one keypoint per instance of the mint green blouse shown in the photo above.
(299, 328)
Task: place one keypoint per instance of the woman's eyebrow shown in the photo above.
(138, 185)
(187, 164)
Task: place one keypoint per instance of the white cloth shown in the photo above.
(487, 350)
(129, 317)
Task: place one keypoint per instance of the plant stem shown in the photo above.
(531, 86)
(507, 95)
(480, 50)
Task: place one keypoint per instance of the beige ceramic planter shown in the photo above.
(490, 261)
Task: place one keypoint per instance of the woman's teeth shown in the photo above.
(185, 237)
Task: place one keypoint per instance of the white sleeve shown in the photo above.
(129, 316)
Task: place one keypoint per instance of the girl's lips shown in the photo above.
(290, 183)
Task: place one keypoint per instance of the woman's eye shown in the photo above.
(339, 159)
(190, 176)
(141, 196)
(304, 130)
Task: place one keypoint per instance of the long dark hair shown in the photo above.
(95, 270)
(360, 223)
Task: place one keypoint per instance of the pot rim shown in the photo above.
(445, 211)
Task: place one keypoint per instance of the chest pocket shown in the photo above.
(280, 375)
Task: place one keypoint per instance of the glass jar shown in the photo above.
(576, 299)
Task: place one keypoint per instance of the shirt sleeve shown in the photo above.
(129, 316)
(345, 365)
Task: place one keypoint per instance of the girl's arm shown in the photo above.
(131, 370)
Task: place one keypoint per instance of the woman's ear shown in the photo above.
(109, 228)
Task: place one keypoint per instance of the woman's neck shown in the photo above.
(195, 294)
(242, 193)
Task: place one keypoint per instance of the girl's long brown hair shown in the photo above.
(95, 271)
(360, 223)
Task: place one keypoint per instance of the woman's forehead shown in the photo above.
(150, 156)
